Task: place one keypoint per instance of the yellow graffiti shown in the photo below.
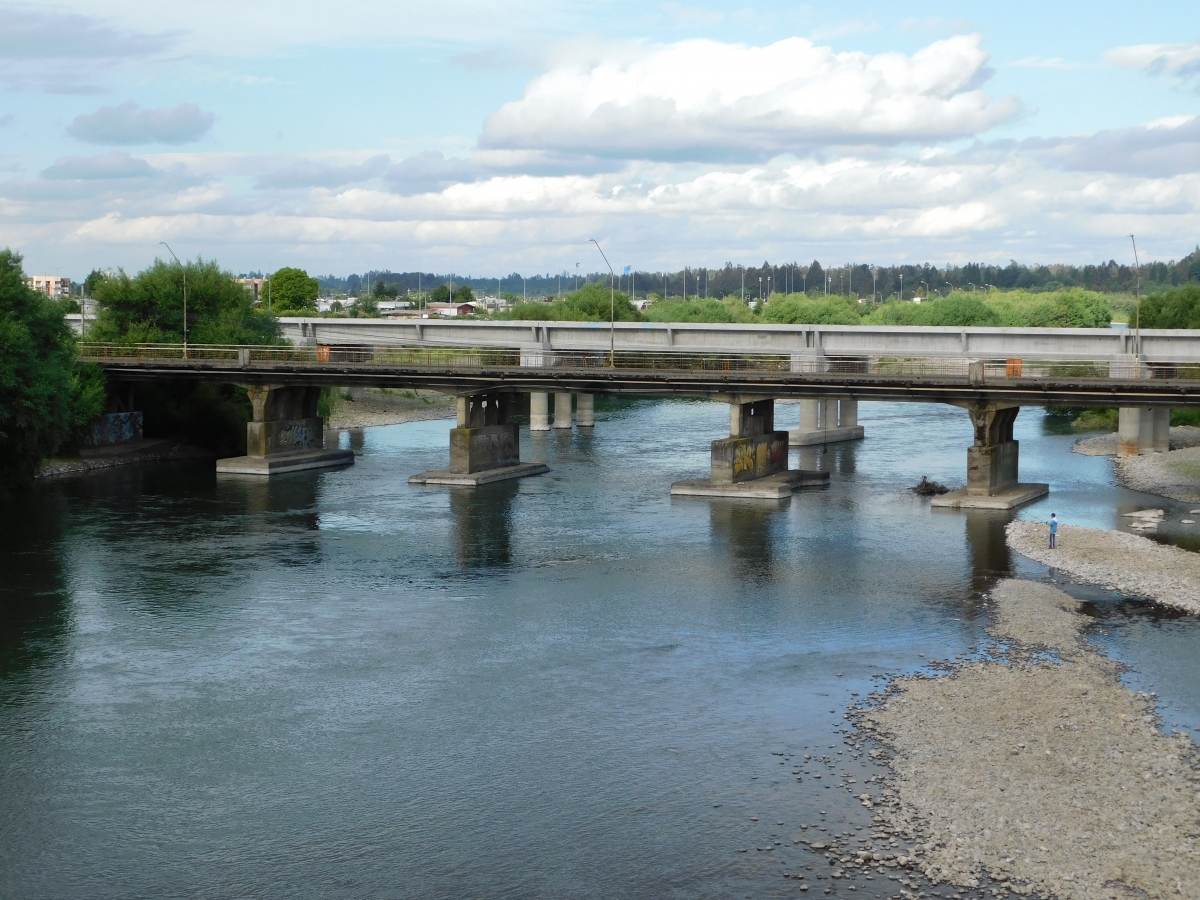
(743, 459)
(763, 460)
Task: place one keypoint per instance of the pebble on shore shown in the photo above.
(1116, 560)
(1039, 772)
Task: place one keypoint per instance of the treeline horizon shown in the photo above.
(814, 278)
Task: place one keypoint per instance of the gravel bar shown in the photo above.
(1034, 770)
(1123, 562)
(1182, 436)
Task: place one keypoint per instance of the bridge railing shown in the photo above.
(478, 360)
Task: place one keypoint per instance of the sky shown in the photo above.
(488, 138)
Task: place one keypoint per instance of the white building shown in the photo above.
(51, 285)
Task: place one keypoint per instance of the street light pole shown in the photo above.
(1137, 335)
(612, 315)
(182, 269)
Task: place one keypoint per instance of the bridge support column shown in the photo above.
(753, 461)
(992, 464)
(284, 435)
(585, 410)
(562, 410)
(539, 411)
(485, 445)
(827, 421)
(1143, 429)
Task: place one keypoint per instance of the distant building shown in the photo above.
(253, 285)
(450, 309)
(51, 285)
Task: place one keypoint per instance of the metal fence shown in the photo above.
(484, 361)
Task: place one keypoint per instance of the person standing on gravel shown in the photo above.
(1053, 531)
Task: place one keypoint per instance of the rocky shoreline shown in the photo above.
(1031, 769)
(391, 408)
(1182, 437)
(1116, 560)
(142, 451)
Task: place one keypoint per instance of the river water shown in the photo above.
(336, 685)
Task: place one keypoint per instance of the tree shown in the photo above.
(365, 308)
(591, 303)
(45, 395)
(1176, 308)
(148, 308)
(381, 290)
(89, 284)
(814, 280)
(291, 292)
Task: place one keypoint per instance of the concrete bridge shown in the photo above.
(486, 363)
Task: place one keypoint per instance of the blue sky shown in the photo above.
(490, 138)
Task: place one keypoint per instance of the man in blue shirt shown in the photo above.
(1053, 530)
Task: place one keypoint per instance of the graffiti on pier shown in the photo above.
(759, 458)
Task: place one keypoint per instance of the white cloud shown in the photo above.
(704, 99)
(115, 164)
(130, 124)
(307, 173)
(36, 35)
(1159, 149)
(1181, 60)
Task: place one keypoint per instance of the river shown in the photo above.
(337, 685)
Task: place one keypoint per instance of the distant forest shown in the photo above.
(814, 278)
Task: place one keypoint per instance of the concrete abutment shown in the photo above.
(827, 421)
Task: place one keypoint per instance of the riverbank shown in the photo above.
(1036, 772)
(120, 455)
(388, 407)
(1123, 562)
(1182, 437)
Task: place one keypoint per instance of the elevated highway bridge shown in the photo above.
(991, 372)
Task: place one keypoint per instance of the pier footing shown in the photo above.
(769, 487)
(1008, 498)
(282, 463)
(474, 479)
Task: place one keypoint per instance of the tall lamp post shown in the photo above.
(1137, 334)
(612, 315)
(182, 269)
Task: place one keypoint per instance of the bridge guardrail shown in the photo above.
(477, 360)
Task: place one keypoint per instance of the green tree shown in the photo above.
(45, 395)
(365, 308)
(291, 292)
(381, 290)
(148, 308)
(93, 279)
(1176, 308)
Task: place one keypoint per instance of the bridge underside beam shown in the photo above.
(1057, 392)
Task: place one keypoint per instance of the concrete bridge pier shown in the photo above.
(1143, 430)
(539, 411)
(562, 410)
(992, 464)
(585, 410)
(284, 435)
(827, 421)
(485, 446)
(753, 461)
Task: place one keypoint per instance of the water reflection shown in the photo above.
(987, 549)
(745, 530)
(34, 598)
(837, 459)
(483, 524)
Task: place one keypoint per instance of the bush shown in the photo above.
(690, 311)
(797, 309)
(46, 397)
(591, 303)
